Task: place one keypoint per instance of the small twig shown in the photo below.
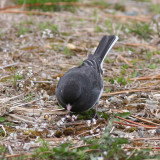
(155, 119)
(123, 59)
(21, 119)
(5, 133)
(88, 145)
(38, 57)
(23, 104)
(126, 92)
(5, 77)
(19, 102)
(148, 139)
(9, 65)
(126, 124)
(136, 123)
(42, 111)
(140, 45)
(14, 97)
(142, 119)
(49, 82)
(92, 150)
(46, 152)
(10, 149)
(130, 155)
(141, 147)
(17, 155)
(28, 12)
(93, 135)
(112, 129)
(138, 18)
(88, 131)
(147, 78)
(75, 124)
(133, 125)
(157, 76)
(50, 139)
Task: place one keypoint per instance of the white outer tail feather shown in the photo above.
(108, 51)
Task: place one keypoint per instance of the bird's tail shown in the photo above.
(105, 45)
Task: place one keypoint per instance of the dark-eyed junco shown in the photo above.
(81, 87)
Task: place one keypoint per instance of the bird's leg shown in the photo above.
(96, 109)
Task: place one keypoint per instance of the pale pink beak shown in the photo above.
(69, 107)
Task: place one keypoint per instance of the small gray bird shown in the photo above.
(81, 87)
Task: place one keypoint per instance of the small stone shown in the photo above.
(71, 46)
(141, 131)
(44, 76)
(68, 131)
(58, 134)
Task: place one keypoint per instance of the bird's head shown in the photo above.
(71, 93)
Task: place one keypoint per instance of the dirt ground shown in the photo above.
(37, 49)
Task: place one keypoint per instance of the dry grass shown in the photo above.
(36, 50)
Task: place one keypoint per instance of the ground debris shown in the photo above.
(39, 48)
